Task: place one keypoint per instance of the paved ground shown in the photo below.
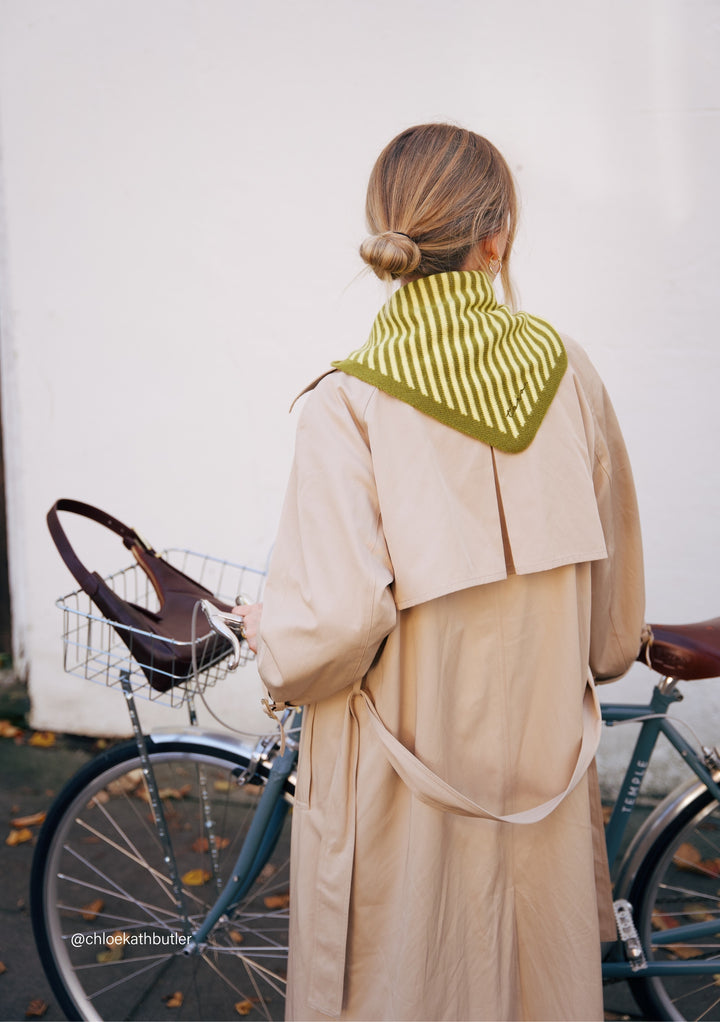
(30, 776)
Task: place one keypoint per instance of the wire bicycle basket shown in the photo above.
(106, 652)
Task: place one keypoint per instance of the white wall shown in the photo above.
(181, 199)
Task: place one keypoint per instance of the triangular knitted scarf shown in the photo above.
(444, 345)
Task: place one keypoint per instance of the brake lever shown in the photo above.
(220, 621)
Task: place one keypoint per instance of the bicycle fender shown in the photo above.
(200, 736)
(662, 816)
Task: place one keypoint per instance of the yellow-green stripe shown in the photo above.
(444, 345)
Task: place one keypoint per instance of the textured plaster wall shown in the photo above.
(181, 199)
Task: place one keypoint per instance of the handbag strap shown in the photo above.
(86, 579)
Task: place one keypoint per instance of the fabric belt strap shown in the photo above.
(334, 877)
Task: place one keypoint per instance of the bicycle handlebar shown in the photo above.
(230, 626)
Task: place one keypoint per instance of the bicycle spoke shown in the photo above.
(273, 944)
(688, 892)
(128, 923)
(122, 833)
(677, 896)
(250, 966)
(108, 850)
(709, 1009)
(136, 858)
(276, 981)
(164, 881)
(116, 892)
(697, 990)
(126, 979)
(118, 963)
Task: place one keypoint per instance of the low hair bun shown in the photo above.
(391, 255)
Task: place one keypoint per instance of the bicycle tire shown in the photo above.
(677, 883)
(99, 871)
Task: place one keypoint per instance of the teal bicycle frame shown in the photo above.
(263, 833)
(654, 722)
(273, 805)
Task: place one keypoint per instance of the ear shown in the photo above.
(487, 251)
(492, 248)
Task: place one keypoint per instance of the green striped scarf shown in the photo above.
(443, 345)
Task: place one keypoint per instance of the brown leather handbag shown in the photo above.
(161, 641)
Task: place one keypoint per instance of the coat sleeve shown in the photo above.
(329, 601)
(618, 587)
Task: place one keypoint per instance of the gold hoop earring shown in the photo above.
(495, 265)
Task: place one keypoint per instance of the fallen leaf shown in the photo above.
(90, 911)
(202, 844)
(663, 921)
(698, 911)
(3, 968)
(267, 871)
(235, 937)
(174, 1000)
(705, 867)
(246, 1006)
(196, 877)
(125, 784)
(687, 856)
(99, 799)
(114, 948)
(42, 739)
(18, 837)
(711, 867)
(8, 730)
(33, 820)
(277, 900)
(36, 1009)
(176, 793)
(113, 954)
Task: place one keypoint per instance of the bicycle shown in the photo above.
(160, 879)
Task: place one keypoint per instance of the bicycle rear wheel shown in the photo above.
(678, 884)
(106, 923)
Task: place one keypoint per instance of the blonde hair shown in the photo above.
(435, 191)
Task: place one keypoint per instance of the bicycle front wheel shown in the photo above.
(107, 923)
(676, 887)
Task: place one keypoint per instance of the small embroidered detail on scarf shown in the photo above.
(444, 345)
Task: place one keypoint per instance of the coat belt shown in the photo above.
(337, 851)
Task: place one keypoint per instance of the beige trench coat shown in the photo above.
(430, 593)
